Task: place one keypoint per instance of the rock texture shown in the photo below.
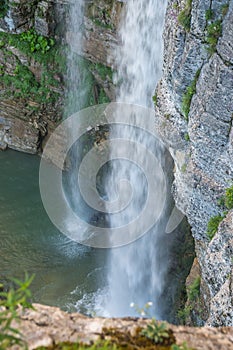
(46, 326)
(201, 146)
(48, 18)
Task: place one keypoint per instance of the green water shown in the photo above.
(66, 274)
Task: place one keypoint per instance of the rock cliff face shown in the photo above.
(194, 117)
(32, 76)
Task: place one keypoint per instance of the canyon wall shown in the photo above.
(194, 116)
(34, 42)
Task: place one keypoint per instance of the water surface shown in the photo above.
(67, 274)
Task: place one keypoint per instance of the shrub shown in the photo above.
(37, 42)
(213, 225)
(9, 303)
(184, 18)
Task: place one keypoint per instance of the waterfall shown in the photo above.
(117, 178)
(137, 271)
(139, 60)
(76, 92)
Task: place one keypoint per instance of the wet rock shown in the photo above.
(16, 132)
(44, 18)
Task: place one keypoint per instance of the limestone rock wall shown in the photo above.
(201, 139)
(32, 83)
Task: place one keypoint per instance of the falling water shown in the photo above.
(76, 94)
(137, 271)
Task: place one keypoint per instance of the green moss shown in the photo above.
(193, 293)
(102, 97)
(155, 99)
(144, 338)
(209, 14)
(103, 71)
(101, 345)
(102, 24)
(184, 18)
(213, 32)
(193, 290)
(228, 199)
(224, 9)
(188, 95)
(24, 85)
(213, 225)
(184, 313)
(184, 168)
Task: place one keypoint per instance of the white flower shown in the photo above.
(132, 304)
(143, 313)
(149, 303)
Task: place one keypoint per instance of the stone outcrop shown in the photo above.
(48, 18)
(47, 326)
(201, 142)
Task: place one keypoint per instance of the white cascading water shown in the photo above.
(75, 96)
(137, 271)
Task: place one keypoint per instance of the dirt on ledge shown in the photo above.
(46, 326)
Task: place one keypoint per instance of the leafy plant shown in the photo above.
(37, 42)
(213, 225)
(9, 302)
(184, 18)
(155, 331)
